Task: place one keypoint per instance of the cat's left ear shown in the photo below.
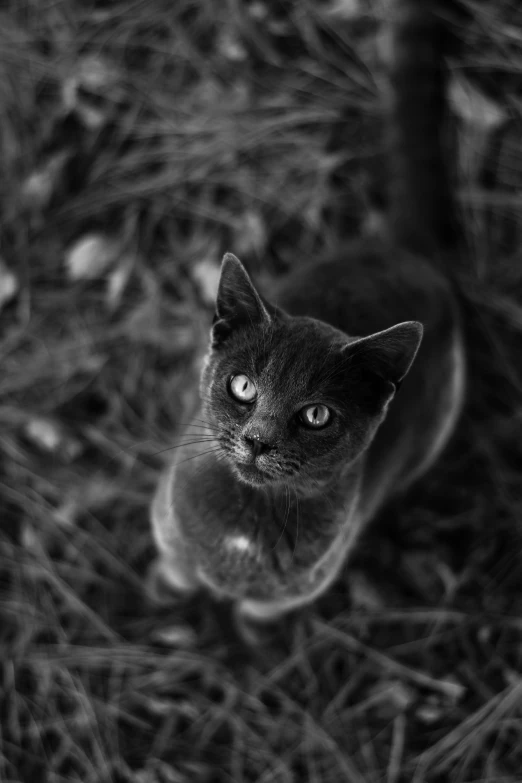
(388, 354)
(238, 303)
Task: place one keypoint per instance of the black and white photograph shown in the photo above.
(260, 391)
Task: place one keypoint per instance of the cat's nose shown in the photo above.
(257, 444)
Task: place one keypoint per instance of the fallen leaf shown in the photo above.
(257, 11)
(436, 706)
(363, 594)
(345, 9)
(93, 117)
(39, 186)
(48, 435)
(230, 46)
(117, 281)
(474, 106)
(91, 73)
(28, 537)
(66, 514)
(512, 678)
(454, 690)
(250, 236)
(95, 75)
(484, 634)
(175, 636)
(44, 433)
(430, 712)
(206, 274)
(374, 223)
(8, 284)
(91, 256)
(393, 697)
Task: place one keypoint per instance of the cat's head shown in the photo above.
(294, 398)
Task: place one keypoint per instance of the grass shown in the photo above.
(179, 131)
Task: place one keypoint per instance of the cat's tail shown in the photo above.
(423, 209)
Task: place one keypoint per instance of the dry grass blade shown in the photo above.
(468, 740)
(448, 688)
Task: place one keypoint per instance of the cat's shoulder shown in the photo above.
(376, 257)
(367, 284)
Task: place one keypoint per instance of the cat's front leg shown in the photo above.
(167, 582)
(259, 630)
(260, 623)
(171, 577)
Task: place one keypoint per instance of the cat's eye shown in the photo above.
(315, 416)
(242, 388)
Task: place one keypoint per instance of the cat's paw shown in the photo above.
(161, 591)
(258, 634)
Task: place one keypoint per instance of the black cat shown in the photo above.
(339, 389)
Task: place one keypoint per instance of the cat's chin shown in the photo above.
(251, 475)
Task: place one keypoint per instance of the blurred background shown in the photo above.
(140, 140)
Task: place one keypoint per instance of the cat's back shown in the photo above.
(376, 282)
(368, 286)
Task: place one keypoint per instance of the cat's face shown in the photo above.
(294, 399)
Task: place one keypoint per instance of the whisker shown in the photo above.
(203, 421)
(197, 430)
(201, 454)
(197, 426)
(285, 521)
(130, 448)
(181, 445)
(196, 435)
(195, 422)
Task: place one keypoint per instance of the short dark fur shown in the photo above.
(268, 517)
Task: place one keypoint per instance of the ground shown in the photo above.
(139, 141)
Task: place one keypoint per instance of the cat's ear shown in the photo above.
(388, 354)
(238, 303)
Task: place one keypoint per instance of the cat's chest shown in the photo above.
(258, 544)
(217, 509)
(205, 486)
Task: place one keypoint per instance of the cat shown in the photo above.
(335, 390)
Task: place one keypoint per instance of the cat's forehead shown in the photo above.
(297, 357)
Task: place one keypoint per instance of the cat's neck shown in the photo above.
(328, 486)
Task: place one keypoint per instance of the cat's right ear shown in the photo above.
(238, 304)
(388, 354)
